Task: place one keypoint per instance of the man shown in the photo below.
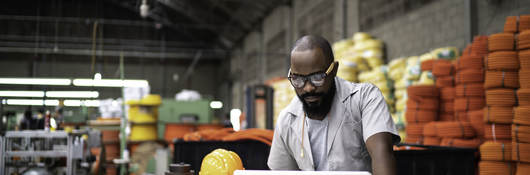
(333, 125)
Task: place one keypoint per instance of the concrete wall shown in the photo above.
(407, 28)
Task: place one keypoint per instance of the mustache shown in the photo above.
(318, 94)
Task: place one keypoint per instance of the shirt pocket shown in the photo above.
(352, 139)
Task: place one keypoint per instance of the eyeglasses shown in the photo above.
(316, 79)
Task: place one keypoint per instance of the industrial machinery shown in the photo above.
(56, 152)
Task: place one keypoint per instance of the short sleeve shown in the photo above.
(280, 157)
(375, 115)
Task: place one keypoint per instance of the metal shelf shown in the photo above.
(36, 153)
(35, 134)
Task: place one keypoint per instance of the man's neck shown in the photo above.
(316, 116)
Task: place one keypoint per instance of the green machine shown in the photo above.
(172, 111)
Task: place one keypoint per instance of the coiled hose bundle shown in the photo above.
(521, 133)
(500, 79)
(496, 168)
(469, 104)
(523, 41)
(497, 151)
(524, 78)
(470, 62)
(470, 90)
(502, 60)
(501, 42)
(464, 143)
(455, 130)
(498, 114)
(498, 132)
(521, 152)
(501, 97)
(524, 59)
(522, 114)
(523, 95)
(469, 76)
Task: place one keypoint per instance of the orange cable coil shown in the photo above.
(496, 168)
(523, 169)
(522, 114)
(499, 79)
(414, 139)
(470, 90)
(523, 41)
(429, 129)
(432, 141)
(447, 106)
(414, 129)
(524, 59)
(501, 42)
(455, 130)
(480, 45)
(427, 65)
(502, 60)
(524, 22)
(463, 143)
(521, 152)
(521, 133)
(469, 103)
(469, 62)
(497, 151)
(461, 116)
(524, 78)
(447, 93)
(445, 81)
(423, 104)
(510, 26)
(442, 68)
(469, 76)
(420, 116)
(498, 131)
(498, 114)
(477, 121)
(417, 92)
(501, 97)
(447, 117)
(523, 95)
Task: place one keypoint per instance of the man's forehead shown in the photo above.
(307, 61)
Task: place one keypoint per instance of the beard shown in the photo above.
(321, 107)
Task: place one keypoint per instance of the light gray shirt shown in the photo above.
(317, 131)
(358, 112)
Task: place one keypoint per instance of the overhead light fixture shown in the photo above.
(21, 93)
(37, 102)
(36, 81)
(97, 76)
(110, 83)
(216, 104)
(51, 94)
(72, 94)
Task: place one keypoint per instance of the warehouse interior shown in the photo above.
(157, 86)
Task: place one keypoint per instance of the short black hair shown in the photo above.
(309, 42)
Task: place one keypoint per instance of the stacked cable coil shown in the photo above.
(520, 129)
(504, 126)
(444, 72)
(422, 108)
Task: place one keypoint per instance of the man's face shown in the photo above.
(306, 63)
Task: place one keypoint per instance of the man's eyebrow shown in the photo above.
(307, 74)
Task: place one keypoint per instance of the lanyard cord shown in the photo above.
(302, 143)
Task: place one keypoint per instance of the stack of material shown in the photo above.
(469, 90)
(422, 108)
(359, 54)
(443, 72)
(397, 67)
(521, 122)
(502, 65)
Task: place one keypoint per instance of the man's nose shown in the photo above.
(308, 87)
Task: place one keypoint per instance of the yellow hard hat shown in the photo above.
(220, 162)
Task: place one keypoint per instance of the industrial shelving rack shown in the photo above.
(69, 153)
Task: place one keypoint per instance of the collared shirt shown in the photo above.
(358, 111)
